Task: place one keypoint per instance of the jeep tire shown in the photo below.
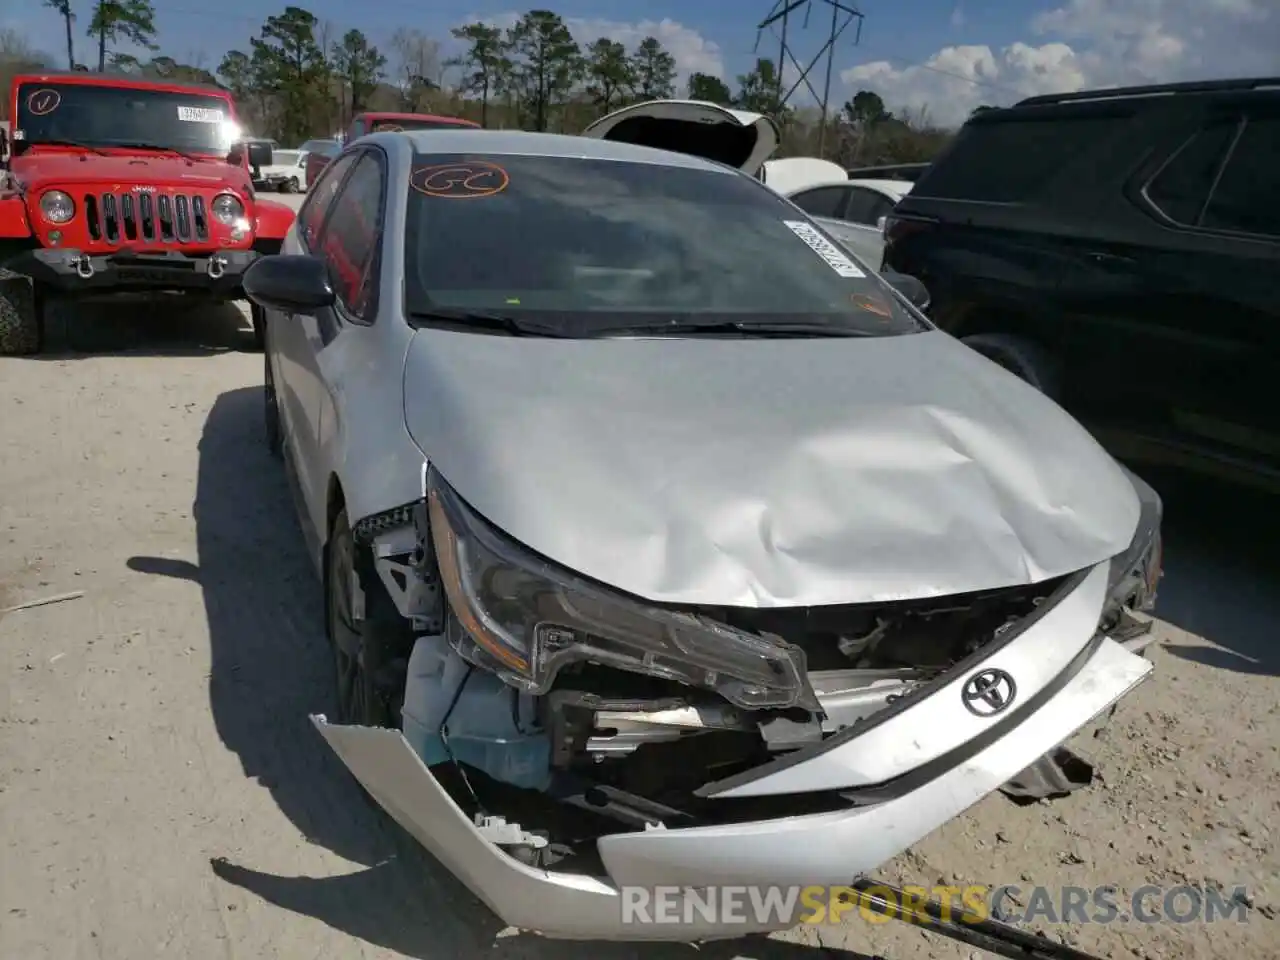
(20, 320)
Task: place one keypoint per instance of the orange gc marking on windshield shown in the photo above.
(43, 101)
(387, 128)
(458, 180)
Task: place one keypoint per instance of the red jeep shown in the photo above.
(363, 123)
(113, 184)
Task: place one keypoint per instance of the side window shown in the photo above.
(1247, 197)
(311, 216)
(1180, 190)
(351, 236)
(821, 201)
(866, 206)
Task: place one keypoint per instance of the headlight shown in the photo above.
(227, 209)
(527, 619)
(57, 207)
(1136, 572)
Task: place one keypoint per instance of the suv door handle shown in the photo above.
(1110, 259)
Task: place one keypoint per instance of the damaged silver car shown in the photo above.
(663, 544)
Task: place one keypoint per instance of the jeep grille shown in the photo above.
(118, 217)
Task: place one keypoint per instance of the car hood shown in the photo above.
(734, 137)
(765, 473)
(50, 169)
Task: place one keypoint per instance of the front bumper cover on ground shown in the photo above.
(70, 272)
(822, 849)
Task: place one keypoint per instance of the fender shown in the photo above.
(13, 217)
(272, 220)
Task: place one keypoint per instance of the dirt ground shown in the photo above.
(163, 795)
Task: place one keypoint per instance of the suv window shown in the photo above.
(311, 216)
(821, 201)
(350, 236)
(1011, 160)
(1247, 197)
(1180, 190)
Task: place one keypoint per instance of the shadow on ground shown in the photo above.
(153, 325)
(270, 670)
(1222, 570)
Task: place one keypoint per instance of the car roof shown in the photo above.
(117, 79)
(521, 143)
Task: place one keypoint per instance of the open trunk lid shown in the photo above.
(734, 137)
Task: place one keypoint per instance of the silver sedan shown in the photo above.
(664, 546)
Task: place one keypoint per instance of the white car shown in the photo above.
(662, 544)
(288, 170)
(854, 212)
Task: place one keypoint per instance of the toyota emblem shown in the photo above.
(988, 692)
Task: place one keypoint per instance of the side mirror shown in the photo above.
(289, 284)
(881, 223)
(912, 290)
(259, 153)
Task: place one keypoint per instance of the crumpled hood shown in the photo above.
(763, 473)
(51, 169)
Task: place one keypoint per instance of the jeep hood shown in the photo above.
(763, 473)
(734, 137)
(50, 169)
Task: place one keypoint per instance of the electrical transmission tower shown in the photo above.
(843, 15)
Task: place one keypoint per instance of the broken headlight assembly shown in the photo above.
(1136, 572)
(525, 619)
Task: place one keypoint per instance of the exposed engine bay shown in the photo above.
(619, 715)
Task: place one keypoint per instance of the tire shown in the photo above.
(1024, 358)
(20, 316)
(258, 317)
(271, 410)
(289, 186)
(358, 650)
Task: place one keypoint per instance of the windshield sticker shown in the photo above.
(43, 102)
(460, 180)
(824, 248)
(199, 115)
(387, 128)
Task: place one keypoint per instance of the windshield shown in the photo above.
(120, 116)
(597, 245)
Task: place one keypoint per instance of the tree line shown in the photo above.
(301, 77)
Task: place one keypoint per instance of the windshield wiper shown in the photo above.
(741, 327)
(144, 145)
(488, 322)
(58, 142)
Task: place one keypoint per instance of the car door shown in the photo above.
(290, 346)
(345, 355)
(1175, 323)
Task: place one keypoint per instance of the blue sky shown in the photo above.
(939, 56)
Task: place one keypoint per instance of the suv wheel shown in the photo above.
(1023, 358)
(19, 315)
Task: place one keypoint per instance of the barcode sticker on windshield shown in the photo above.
(199, 115)
(824, 248)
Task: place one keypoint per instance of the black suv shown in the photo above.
(1119, 249)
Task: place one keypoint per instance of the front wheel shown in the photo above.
(357, 649)
(289, 186)
(20, 315)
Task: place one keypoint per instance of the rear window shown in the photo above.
(578, 241)
(1013, 160)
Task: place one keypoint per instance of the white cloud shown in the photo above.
(692, 51)
(1086, 44)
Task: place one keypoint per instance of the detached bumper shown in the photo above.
(822, 849)
(75, 273)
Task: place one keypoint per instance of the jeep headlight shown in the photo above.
(227, 209)
(1136, 572)
(57, 207)
(526, 618)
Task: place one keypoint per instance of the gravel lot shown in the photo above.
(162, 793)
